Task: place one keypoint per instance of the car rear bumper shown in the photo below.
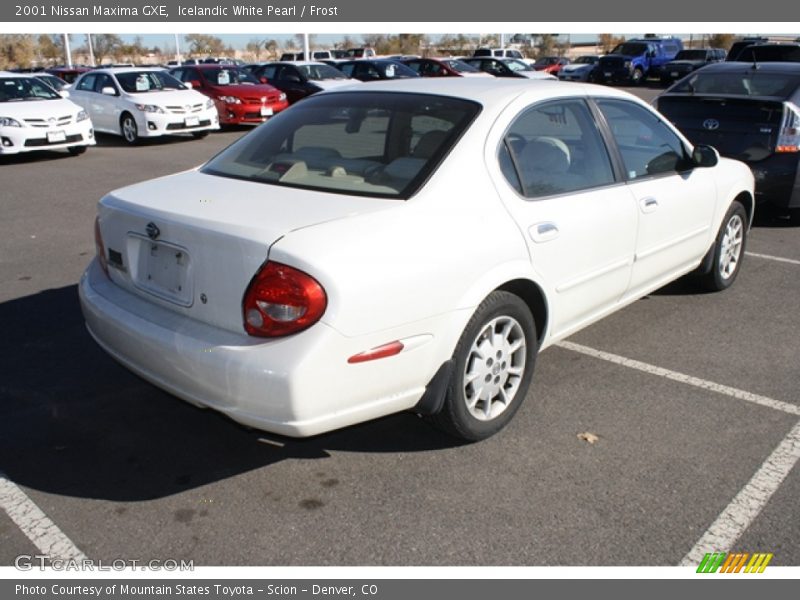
(777, 180)
(300, 385)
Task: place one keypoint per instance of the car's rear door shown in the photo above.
(578, 218)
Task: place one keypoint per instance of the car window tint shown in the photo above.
(648, 147)
(104, 81)
(87, 83)
(555, 147)
(372, 144)
(269, 72)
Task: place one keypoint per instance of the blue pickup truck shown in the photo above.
(635, 60)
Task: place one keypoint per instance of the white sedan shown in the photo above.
(137, 103)
(407, 247)
(33, 116)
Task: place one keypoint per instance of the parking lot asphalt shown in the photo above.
(693, 398)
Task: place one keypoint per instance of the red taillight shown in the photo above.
(100, 248)
(282, 300)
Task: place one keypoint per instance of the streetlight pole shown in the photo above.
(67, 50)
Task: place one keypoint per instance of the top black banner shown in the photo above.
(363, 11)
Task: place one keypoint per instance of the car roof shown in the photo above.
(298, 63)
(488, 90)
(127, 69)
(743, 66)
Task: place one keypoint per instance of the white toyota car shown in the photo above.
(136, 103)
(33, 116)
(407, 247)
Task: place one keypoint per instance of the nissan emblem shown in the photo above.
(152, 230)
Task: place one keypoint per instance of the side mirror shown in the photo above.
(293, 79)
(108, 91)
(705, 156)
(64, 94)
(194, 83)
(188, 85)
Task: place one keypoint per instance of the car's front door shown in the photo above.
(675, 202)
(576, 215)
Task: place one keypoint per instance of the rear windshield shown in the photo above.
(750, 83)
(770, 54)
(367, 144)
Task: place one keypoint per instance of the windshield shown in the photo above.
(690, 55)
(547, 60)
(16, 89)
(139, 82)
(585, 60)
(750, 83)
(367, 144)
(320, 72)
(630, 49)
(518, 65)
(229, 76)
(460, 66)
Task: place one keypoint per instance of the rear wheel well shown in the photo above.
(533, 296)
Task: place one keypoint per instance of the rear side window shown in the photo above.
(366, 144)
(554, 148)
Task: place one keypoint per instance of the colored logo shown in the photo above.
(734, 562)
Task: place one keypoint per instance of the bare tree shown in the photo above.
(17, 50)
(721, 40)
(200, 43)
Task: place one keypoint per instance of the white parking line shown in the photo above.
(683, 378)
(747, 504)
(790, 261)
(39, 529)
(753, 497)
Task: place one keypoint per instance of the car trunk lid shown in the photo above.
(192, 242)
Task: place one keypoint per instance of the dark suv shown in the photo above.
(687, 61)
(757, 53)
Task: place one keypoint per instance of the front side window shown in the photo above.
(367, 144)
(554, 148)
(86, 84)
(648, 146)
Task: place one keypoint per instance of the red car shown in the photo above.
(240, 97)
(68, 74)
(550, 64)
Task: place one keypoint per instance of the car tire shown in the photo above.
(129, 129)
(492, 369)
(76, 150)
(728, 250)
(199, 135)
(637, 77)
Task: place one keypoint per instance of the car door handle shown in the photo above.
(543, 232)
(648, 204)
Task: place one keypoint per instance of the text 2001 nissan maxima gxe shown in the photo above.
(407, 247)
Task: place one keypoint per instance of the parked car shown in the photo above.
(750, 113)
(410, 245)
(443, 67)
(580, 69)
(137, 103)
(687, 61)
(637, 59)
(499, 53)
(507, 67)
(33, 116)
(740, 45)
(758, 53)
(301, 79)
(550, 64)
(375, 69)
(240, 98)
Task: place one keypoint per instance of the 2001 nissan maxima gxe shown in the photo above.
(411, 246)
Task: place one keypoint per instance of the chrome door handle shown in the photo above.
(543, 232)
(648, 204)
